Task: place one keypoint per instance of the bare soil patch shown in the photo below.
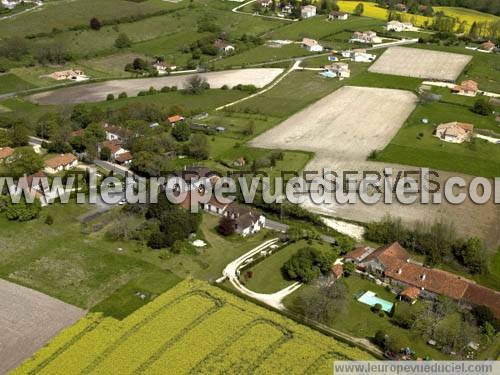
(96, 92)
(342, 129)
(420, 63)
(351, 122)
(28, 320)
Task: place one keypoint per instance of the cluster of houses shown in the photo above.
(455, 132)
(366, 37)
(246, 220)
(359, 55)
(392, 265)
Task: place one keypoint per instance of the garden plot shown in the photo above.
(28, 320)
(350, 123)
(420, 63)
(96, 92)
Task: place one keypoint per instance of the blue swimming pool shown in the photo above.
(371, 299)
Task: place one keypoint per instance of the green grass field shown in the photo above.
(479, 158)
(63, 14)
(11, 83)
(321, 29)
(267, 275)
(195, 328)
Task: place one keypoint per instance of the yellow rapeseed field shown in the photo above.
(373, 11)
(192, 328)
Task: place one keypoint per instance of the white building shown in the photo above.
(308, 11)
(335, 15)
(61, 163)
(312, 45)
(246, 220)
(365, 37)
(400, 26)
(359, 55)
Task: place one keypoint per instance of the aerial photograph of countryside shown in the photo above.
(249, 187)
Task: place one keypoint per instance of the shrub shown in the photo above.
(377, 307)
(123, 95)
(49, 220)
(482, 107)
(95, 24)
(226, 226)
(110, 97)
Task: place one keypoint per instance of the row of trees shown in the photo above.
(437, 241)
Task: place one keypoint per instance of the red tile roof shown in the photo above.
(113, 146)
(359, 253)
(410, 292)
(6, 152)
(122, 158)
(60, 161)
(337, 270)
(397, 267)
(175, 118)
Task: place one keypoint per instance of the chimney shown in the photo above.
(423, 277)
(400, 271)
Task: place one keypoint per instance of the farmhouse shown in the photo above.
(311, 45)
(71, 75)
(454, 132)
(392, 264)
(466, 88)
(5, 152)
(365, 37)
(162, 67)
(60, 163)
(336, 15)
(246, 220)
(339, 70)
(488, 46)
(308, 11)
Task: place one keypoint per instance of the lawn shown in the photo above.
(358, 319)
(11, 83)
(478, 158)
(81, 269)
(321, 29)
(65, 14)
(267, 275)
(210, 262)
(260, 54)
